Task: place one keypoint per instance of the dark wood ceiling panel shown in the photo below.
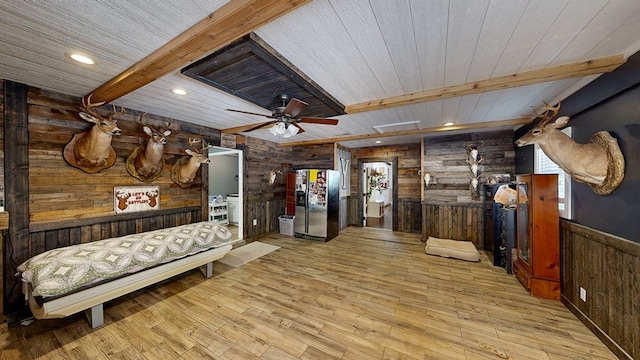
(252, 70)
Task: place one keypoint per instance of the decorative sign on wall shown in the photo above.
(343, 165)
(128, 199)
(228, 141)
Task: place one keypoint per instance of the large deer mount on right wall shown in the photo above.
(599, 163)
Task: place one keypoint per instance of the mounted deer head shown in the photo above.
(598, 163)
(145, 161)
(91, 150)
(272, 176)
(185, 169)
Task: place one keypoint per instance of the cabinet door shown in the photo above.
(524, 220)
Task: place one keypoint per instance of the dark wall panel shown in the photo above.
(616, 213)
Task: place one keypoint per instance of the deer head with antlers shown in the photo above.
(184, 171)
(598, 163)
(146, 162)
(91, 150)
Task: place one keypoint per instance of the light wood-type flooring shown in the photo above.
(366, 294)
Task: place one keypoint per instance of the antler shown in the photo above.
(192, 142)
(87, 105)
(113, 115)
(205, 145)
(548, 112)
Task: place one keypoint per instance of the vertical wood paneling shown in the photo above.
(16, 171)
(607, 267)
(453, 221)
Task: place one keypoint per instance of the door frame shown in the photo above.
(241, 169)
(394, 194)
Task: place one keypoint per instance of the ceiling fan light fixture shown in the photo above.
(291, 131)
(278, 129)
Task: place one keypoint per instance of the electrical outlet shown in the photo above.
(583, 294)
(255, 222)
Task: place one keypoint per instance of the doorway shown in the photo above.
(379, 201)
(226, 188)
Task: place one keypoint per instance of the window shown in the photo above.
(544, 165)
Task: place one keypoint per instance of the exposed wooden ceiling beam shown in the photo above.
(498, 123)
(233, 20)
(584, 68)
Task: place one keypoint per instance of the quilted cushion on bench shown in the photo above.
(62, 270)
(463, 250)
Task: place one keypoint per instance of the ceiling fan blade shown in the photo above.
(247, 112)
(301, 130)
(245, 128)
(310, 120)
(294, 107)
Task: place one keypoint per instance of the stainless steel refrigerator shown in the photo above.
(317, 204)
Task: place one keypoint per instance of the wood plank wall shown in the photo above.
(450, 209)
(61, 192)
(264, 202)
(69, 206)
(313, 157)
(447, 155)
(607, 267)
(407, 184)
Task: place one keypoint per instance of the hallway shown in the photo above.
(385, 222)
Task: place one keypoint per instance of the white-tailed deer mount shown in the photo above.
(146, 162)
(91, 151)
(599, 163)
(272, 176)
(184, 171)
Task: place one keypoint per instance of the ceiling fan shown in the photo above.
(284, 119)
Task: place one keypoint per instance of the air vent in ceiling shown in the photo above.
(408, 125)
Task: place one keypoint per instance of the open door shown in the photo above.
(225, 187)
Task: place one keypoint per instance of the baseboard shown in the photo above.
(609, 342)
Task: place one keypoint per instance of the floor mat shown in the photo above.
(246, 253)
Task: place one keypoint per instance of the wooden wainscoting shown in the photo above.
(266, 214)
(607, 267)
(410, 216)
(64, 233)
(458, 221)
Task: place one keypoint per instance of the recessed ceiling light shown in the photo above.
(378, 142)
(179, 92)
(81, 58)
(448, 123)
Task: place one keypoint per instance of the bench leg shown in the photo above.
(95, 316)
(208, 270)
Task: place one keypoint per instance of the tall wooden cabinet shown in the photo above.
(538, 235)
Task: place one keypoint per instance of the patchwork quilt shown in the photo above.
(63, 270)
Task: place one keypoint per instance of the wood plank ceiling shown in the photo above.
(480, 64)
